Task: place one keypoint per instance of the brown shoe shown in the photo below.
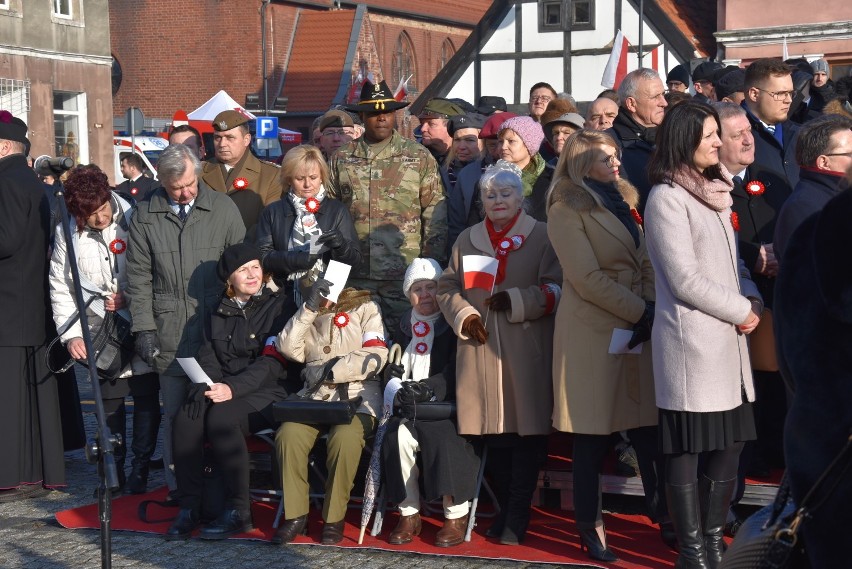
(406, 529)
(452, 533)
(288, 531)
(332, 533)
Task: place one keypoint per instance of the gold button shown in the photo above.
(326, 349)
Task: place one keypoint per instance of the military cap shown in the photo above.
(12, 128)
(440, 109)
(226, 120)
(467, 120)
(489, 104)
(335, 118)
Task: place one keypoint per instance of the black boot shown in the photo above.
(590, 541)
(146, 427)
(186, 521)
(715, 499)
(686, 518)
(231, 522)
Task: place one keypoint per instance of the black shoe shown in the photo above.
(181, 528)
(288, 531)
(231, 522)
(590, 541)
(332, 533)
(137, 482)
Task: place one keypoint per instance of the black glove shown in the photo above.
(147, 346)
(332, 239)
(319, 291)
(642, 329)
(414, 392)
(195, 401)
(313, 375)
(499, 302)
(391, 371)
(304, 261)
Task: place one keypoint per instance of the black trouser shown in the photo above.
(514, 462)
(116, 420)
(589, 454)
(225, 426)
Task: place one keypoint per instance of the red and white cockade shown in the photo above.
(754, 187)
(240, 184)
(312, 205)
(421, 328)
(341, 319)
(117, 246)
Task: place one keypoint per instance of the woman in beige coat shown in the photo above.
(706, 305)
(505, 330)
(608, 285)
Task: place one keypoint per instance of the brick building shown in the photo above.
(175, 54)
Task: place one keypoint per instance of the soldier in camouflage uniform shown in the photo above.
(394, 192)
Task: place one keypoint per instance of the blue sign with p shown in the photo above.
(267, 127)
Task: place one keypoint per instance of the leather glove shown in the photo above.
(304, 261)
(642, 329)
(392, 370)
(313, 375)
(319, 291)
(499, 302)
(414, 392)
(147, 346)
(195, 401)
(332, 239)
(472, 327)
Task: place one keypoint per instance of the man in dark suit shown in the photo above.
(31, 445)
(136, 185)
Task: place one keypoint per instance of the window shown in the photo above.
(69, 126)
(403, 63)
(448, 50)
(62, 9)
(4, 4)
(566, 15)
(15, 97)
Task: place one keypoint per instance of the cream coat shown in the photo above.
(308, 332)
(701, 361)
(505, 385)
(607, 280)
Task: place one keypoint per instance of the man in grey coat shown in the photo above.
(176, 238)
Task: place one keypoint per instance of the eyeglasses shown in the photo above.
(778, 95)
(332, 132)
(846, 154)
(542, 98)
(610, 160)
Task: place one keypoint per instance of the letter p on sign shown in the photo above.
(267, 127)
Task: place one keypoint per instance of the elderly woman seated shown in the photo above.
(428, 369)
(343, 347)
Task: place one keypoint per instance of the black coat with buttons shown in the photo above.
(235, 352)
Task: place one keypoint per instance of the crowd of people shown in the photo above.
(620, 276)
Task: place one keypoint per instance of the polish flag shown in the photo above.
(655, 57)
(402, 89)
(480, 271)
(616, 67)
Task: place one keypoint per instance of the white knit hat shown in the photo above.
(420, 269)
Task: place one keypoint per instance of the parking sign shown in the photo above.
(267, 127)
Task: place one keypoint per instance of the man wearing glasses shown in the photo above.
(336, 129)
(540, 94)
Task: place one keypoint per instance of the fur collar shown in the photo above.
(584, 200)
(349, 300)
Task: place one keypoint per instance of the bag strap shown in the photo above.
(142, 511)
(58, 338)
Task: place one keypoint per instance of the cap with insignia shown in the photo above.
(440, 109)
(335, 118)
(469, 120)
(226, 120)
(376, 98)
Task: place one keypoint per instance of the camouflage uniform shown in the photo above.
(397, 203)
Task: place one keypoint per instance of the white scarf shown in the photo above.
(305, 225)
(416, 361)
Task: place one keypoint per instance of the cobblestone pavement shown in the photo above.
(31, 538)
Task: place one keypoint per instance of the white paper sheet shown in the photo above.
(620, 339)
(391, 388)
(194, 371)
(337, 273)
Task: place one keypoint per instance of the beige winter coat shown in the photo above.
(607, 280)
(504, 386)
(360, 345)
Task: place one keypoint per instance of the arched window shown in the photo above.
(447, 51)
(403, 62)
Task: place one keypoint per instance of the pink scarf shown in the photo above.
(715, 193)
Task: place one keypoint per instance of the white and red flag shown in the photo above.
(616, 67)
(402, 89)
(480, 271)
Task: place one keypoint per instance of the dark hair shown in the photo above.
(762, 69)
(674, 98)
(815, 137)
(132, 159)
(610, 94)
(677, 139)
(543, 85)
(86, 189)
(187, 128)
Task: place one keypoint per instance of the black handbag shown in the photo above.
(428, 411)
(302, 409)
(769, 538)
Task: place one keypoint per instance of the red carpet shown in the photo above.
(552, 537)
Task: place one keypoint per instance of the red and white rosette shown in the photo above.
(421, 348)
(134, 191)
(421, 328)
(341, 319)
(735, 221)
(117, 246)
(312, 205)
(512, 243)
(240, 184)
(754, 187)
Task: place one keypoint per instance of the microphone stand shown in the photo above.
(101, 449)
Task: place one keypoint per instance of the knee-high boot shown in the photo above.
(715, 498)
(685, 512)
(146, 427)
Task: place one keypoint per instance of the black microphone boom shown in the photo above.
(49, 166)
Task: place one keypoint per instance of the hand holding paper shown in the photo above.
(337, 273)
(194, 371)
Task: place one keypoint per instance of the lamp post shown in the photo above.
(263, 6)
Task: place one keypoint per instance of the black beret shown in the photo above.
(705, 71)
(488, 105)
(235, 257)
(729, 83)
(469, 120)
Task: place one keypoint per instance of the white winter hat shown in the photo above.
(420, 269)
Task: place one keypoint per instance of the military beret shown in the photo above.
(441, 109)
(335, 118)
(226, 120)
(489, 104)
(491, 128)
(469, 120)
(705, 71)
(12, 128)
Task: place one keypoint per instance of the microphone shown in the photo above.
(48, 166)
